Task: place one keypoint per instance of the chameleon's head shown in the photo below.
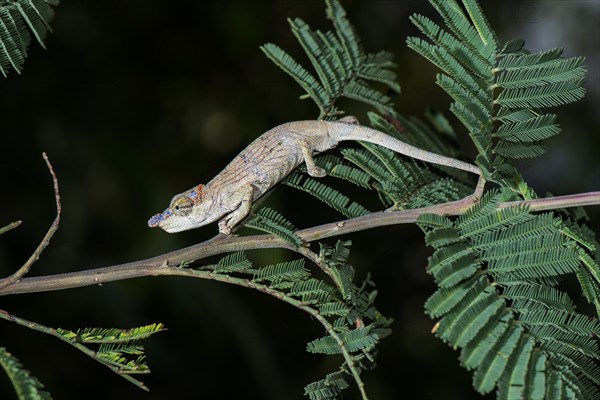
(187, 210)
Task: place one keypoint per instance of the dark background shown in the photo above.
(135, 101)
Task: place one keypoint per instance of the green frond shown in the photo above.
(452, 63)
(481, 111)
(326, 194)
(235, 262)
(434, 221)
(341, 65)
(461, 325)
(112, 335)
(508, 115)
(559, 70)
(123, 357)
(493, 366)
(27, 387)
(493, 221)
(549, 95)
(530, 130)
(466, 49)
(276, 274)
(519, 61)
(439, 191)
(376, 73)
(582, 366)
(513, 46)
(405, 171)
(540, 226)
(351, 174)
(345, 32)
(520, 150)
(334, 308)
(462, 28)
(524, 248)
(269, 220)
(335, 167)
(549, 321)
(368, 163)
(589, 287)
(329, 388)
(468, 59)
(323, 62)
(553, 262)
(514, 383)
(18, 20)
(482, 345)
(453, 264)
(442, 236)
(445, 300)
(304, 78)
(547, 296)
(578, 236)
(354, 340)
(358, 91)
(312, 290)
(467, 118)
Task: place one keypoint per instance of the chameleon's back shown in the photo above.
(272, 156)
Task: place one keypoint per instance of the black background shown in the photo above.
(136, 101)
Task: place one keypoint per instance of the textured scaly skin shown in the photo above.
(266, 161)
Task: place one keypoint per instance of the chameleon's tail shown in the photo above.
(348, 131)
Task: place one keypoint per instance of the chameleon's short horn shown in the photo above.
(153, 222)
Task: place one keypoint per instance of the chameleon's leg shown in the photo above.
(235, 217)
(349, 119)
(311, 167)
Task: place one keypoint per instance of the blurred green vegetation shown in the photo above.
(134, 102)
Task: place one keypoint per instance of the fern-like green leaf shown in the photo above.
(18, 20)
(304, 78)
(326, 194)
(329, 388)
(112, 335)
(26, 386)
(287, 271)
(312, 290)
(440, 237)
(493, 366)
(549, 297)
(354, 340)
(530, 130)
(361, 92)
(269, 220)
(559, 70)
(235, 262)
(549, 95)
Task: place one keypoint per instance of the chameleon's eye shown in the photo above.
(182, 206)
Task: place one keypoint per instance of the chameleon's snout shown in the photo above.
(153, 222)
(156, 220)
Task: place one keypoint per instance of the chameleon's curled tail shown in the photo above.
(345, 131)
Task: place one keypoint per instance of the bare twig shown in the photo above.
(9, 227)
(162, 265)
(45, 241)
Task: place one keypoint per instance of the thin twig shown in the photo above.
(9, 227)
(162, 265)
(79, 346)
(45, 241)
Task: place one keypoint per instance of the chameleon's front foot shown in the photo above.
(224, 227)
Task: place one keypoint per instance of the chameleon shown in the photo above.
(228, 197)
